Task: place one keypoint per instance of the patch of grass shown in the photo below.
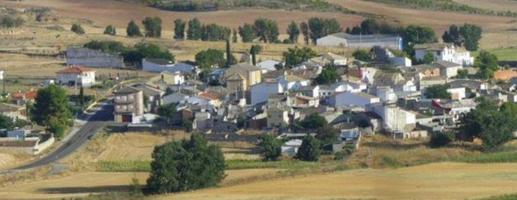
(256, 164)
(124, 166)
(502, 197)
(503, 54)
(496, 157)
(145, 166)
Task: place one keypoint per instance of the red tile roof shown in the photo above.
(74, 70)
(30, 95)
(209, 95)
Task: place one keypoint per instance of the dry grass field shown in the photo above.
(95, 182)
(433, 181)
(11, 158)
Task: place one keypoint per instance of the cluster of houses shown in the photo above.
(384, 95)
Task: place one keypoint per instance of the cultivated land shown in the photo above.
(497, 5)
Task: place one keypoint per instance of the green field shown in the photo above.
(503, 54)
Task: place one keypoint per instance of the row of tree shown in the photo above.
(132, 55)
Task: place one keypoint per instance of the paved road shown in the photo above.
(98, 119)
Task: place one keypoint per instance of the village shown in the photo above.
(383, 93)
(321, 98)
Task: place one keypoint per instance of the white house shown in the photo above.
(395, 119)
(386, 94)
(448, 69)
(386, 56)
(360, 41)
(329, 90)
(74, 75)
(359, 99)
(291, 147)
(161, 65)
(268, 65)
(261, 92)
(1, 75)
(444, 52)
(174, 78)
(457, 93)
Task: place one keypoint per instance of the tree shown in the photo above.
(304, 27)
(247, 33)
(76, 28)
(153, 26)
(428, 58)
(167, 112)
(194, 31)
(437, 92)
(146, 50)
(493, 124)
(207, 58)
(471, 35)
(6, 122)
(235, 37)
(110, 30)
(295, 56)
(11, 22)
(463, 73)
(362, 55)
(320, 27)
(441, 139)
(179, 29)
(453, 36)
(214, 32)
(328, 75)
(81, 96)
(229, 57)
(314, 121)
(266, 30)
(9, 123)
(186, 165)
(487, 64)
(417, 35)
(112, 47)
(254, 50)
(51, 109)
(271, 146)
(309, 150)
(133, 30)
(369, 26)
(293, 31)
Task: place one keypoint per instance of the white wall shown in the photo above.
(353, 99)
(261, 92)
(85, 79)
(331, 41)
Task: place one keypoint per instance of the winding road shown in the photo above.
(101, 115)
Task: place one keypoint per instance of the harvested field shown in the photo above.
(97, 182)
(11, 158)
(433, 181)
(105, 12)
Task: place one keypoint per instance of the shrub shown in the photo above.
(76, 28)
(441, 139)
(272, 147)
(309, 150)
